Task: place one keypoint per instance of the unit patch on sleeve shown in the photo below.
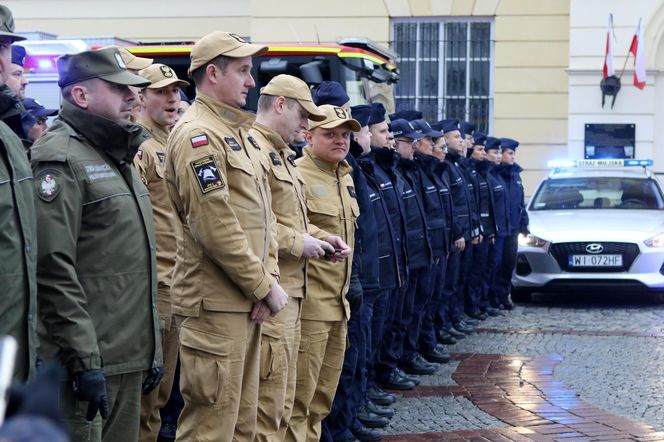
(139, 154)
(207, 174)
(253, 142)
(199, 140)
(232, 143)
(275, 159)
(351, 191)
(161, 156)
(48, 184)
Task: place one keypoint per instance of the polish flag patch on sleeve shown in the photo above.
(199, 140)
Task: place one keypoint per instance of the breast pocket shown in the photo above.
(324, 215)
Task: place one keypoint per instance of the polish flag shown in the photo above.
(638, 51)
(608, 57)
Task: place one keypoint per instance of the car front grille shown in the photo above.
(561, 252)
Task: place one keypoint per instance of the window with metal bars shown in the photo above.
(445, 69)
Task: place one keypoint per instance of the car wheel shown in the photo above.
(521, 295)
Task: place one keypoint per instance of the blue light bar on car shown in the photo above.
(564, 164)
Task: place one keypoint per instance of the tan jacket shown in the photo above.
(218, 183)
(290, 208)
(331, 205)
(150, 161)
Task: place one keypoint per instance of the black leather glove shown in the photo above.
(354, 298)
(152, 379)
(90, 386)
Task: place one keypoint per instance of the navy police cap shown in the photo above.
(466, 128)
(377, 113)
(426, 129)
(18, 55)
(492, 143)
(361, 113)
(509, 143)
(330, 92)
(446, 126)
(406, 114)
(479, 139)
(402, 128)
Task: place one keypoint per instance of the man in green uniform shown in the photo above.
(96, 250)
(160, 102)
(18, 229)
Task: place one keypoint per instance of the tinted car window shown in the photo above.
(598, 193)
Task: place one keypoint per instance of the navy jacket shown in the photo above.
(365, 255)
(388, 267)
(460, 197)
(486, 182)
(418, 243)
(384, 162)
(500, 201)
(517, 205)
(436, 211)
(452, 226)
(470, 173)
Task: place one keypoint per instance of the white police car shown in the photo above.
(594, 225)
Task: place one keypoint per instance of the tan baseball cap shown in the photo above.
(334, 117)
(161, 75)
(221, 43)
(132, 61)
(292, 87)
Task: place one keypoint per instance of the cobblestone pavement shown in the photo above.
(608, 351)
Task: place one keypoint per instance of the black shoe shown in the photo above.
(380, 411)
(470, 321)
(379, 397)
(464, 328)
(417, 366)
(478, 315)
(444, 337)
(414, 379)
(397, 382)
(167, 432)
(456, 334)
(492, 311)
(371, 420)
(365, 434)
(438, 356)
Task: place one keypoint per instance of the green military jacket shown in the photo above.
(96, 263)
(18, 241)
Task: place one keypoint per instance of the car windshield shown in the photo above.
(598, 193)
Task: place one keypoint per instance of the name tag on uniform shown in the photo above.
(275, 159)
(232, 143)
(253, 142)
(97, 172)
(351, 191)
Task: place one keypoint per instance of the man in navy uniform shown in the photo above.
(510, 171)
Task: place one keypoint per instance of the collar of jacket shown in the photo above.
(426, 162)
(355, 149)
(119, 142)
(159, 133)
(453, 156)
(482, 167)
(385, 156)
(508, 169)
(273, 138)
(407, 164)
(342, 168)
(232, 115)
(10, 105)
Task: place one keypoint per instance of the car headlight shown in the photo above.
(533, 241)
(655, 241)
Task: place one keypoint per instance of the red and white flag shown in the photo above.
(639, 53)
(608, 57)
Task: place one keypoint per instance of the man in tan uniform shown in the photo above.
(331, 205)
(160, 100)
(283, 108)
(225, 278)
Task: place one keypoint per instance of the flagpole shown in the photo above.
(624, 65)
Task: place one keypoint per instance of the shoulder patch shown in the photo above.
(139, 154)
(253, 142)
(207, 174)
(48, 184)
(232, 143)
(161, 156)
(351, 191)
(275, 159)
(199, 140)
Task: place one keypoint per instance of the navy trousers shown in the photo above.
(428, 340)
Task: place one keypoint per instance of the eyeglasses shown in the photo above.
(405, 140)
